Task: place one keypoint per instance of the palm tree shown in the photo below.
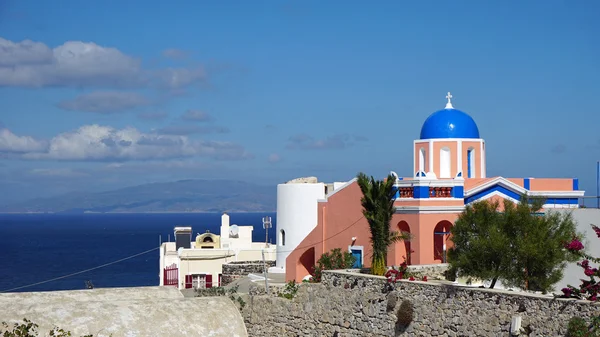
(378, 209)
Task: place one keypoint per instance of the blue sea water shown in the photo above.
(40, 247)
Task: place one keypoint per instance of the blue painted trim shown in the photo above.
(562, 201)
(575, 184)
(400, 178)
(459, 174)
(526, 183)
(421, 192)
(495, 188)
(517, 196)
(458, 192)
(396, 192)
(469, 172)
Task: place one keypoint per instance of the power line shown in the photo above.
(316, 243)
(153, 249)
(80, 272)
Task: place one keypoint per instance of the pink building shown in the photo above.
(449, 172)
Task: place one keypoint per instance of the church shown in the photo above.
(449, 160)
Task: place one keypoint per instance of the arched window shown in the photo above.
(471, 162)
(208, 239)
(422, 154)
(282, 237)
(445, 162)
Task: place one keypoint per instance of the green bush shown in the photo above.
(30, 329)
(405, 314)
(578, 327)
(290, 290)
(332, 260)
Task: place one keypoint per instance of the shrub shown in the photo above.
(579, 328)
(30, 329)
(405, 313)
(331, 261)
(588, 289)
(290, 290)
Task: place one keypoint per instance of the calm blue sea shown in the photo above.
(39, 247)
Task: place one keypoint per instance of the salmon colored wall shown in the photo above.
(340, 219)
(422, 227)
(418, 147)
(474, 182)
(465, 160)
(518, 181)
(546, 184)
(437, 146)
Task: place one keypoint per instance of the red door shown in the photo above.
(208, 281)
(188, 281)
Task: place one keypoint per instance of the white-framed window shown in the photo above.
(445, 162)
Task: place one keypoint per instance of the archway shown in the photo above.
(282, 237)
(208, 239)
(441, 232)
(306, 262)
(404, 227)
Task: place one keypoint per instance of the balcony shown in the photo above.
(406, 192)
(440, 192)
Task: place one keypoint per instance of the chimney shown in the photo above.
(225, 225)
(183, 237)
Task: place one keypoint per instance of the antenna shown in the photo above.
(266, 225)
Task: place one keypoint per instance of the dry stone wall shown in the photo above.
(351, 304)
(238, 269)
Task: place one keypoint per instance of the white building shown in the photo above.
(297, 213)
(199, 263)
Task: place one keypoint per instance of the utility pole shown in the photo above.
(266, 225)
(265, 272)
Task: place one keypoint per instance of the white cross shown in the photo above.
(449, 104)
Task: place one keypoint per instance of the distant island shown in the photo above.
(198, 196)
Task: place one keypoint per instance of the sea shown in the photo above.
(45, 252)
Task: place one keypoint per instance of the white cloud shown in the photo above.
(24, 52)
(11, 143)
(104, 143)
(83, 64)
(104, 102)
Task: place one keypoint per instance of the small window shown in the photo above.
(445, 163)
(208, 239)
(422, 154)
(282, 237)
(471, 163)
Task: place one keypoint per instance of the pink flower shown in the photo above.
(574, 245)
(425, 278)
(567, 291)
(590, 271)
(411, 278)
(597, 230)
(593, 298)
(585, 264)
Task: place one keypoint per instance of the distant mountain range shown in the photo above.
(178, 196)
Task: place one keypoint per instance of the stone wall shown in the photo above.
(352, 304)
(238, 269)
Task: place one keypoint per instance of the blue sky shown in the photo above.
(96, 95)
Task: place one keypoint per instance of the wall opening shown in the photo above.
(404, 228)
(441, 232)
(471, 163)
(422, 157)
(208, 239)
(282, 237)
(445, 162)
(306, 262)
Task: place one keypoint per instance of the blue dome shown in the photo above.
(449, 123)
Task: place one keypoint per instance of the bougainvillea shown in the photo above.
(588, 289)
